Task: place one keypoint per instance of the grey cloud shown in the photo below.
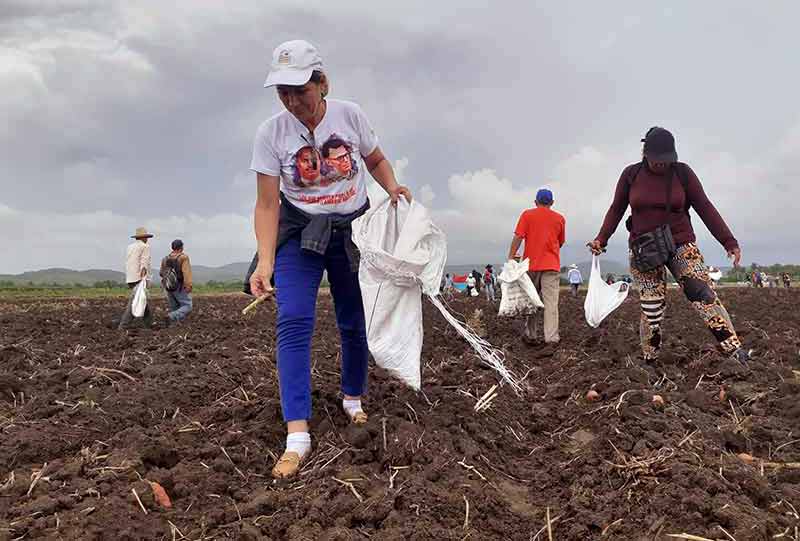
(148, 110)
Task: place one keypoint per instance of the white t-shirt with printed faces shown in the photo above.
(321, 172)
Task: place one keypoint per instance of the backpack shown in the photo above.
(683, 174)
(173, 275)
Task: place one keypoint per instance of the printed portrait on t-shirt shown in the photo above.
(338, 157)
(331, 163)
(307, 167)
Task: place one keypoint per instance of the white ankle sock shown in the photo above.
(352, 407)
(299, 442)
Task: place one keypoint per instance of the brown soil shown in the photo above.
(195, 408)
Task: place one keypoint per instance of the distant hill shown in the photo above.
(226, 273)
(458, 270)
(64, 277)
(68, 277)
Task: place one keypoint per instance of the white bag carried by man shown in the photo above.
(403, 255)
(139, 303)
(519, 295)
(602, 298)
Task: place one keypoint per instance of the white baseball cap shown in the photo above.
(293, 62)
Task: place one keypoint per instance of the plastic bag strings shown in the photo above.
(489, 355)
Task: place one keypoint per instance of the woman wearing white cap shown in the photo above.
(307, 199)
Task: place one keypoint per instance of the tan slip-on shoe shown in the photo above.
(360, 418)
(288, 465)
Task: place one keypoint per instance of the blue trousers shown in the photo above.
(180, 304)
(298, 274)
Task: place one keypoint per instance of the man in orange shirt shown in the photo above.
(543, 232)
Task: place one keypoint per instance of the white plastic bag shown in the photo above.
(402, 256)
(518, 294)
(139, 299)
(602, 298)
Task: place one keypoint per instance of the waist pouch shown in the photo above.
(652, 249)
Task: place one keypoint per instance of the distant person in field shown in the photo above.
(176, 279)
(543, 231)
(305, 230)
(137, 268)
(478, 280)
(787, 280)
(471, 284)
(643, 186)
(715, 275)
(574, 278)
(489, 283)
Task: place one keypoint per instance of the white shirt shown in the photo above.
(137, 258)
(323, 172)
(574, 276)
(471, 281)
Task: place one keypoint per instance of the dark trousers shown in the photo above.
(127, 315)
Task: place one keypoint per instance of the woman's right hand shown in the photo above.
(595, 247)
(260, 280)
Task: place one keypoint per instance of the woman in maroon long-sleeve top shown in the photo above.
(644, 186)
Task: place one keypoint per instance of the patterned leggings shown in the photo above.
(689, 269)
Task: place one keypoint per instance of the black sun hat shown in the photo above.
(659, 145)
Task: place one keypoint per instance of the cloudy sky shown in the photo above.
(118, 114)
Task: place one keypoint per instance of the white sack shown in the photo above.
(602, 298)
(402, 256)
(139, 299)
(519, 296)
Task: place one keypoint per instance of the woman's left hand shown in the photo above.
(397, 191)
(736, 255)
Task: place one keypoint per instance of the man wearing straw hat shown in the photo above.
(137, 268)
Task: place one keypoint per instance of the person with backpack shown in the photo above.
(176, 279)
(490, 283)
(303, 224)
(660, 191)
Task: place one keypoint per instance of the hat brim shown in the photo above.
(666, 157)
(288, 77)
(148, 236)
